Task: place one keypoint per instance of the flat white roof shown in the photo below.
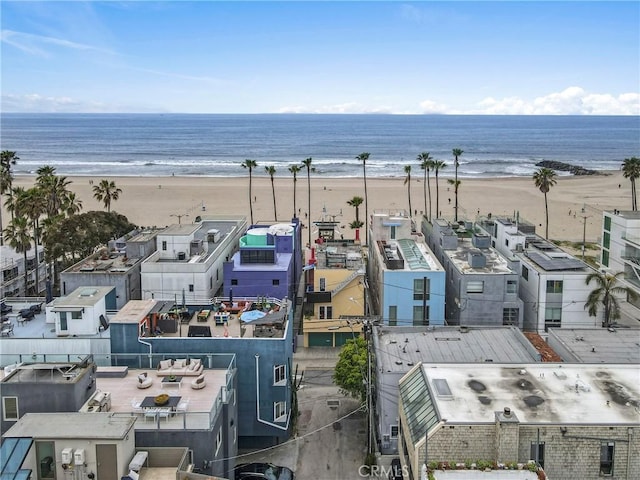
(548, 393)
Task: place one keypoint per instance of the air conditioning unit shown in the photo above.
(78, 457)
(67, 456)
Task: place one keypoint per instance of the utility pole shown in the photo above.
(179, 217)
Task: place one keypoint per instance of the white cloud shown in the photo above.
(36, 44)
(570, 101)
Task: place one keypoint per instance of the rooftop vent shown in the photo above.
(477, 259)
(506, 412)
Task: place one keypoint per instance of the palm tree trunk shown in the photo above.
(455, 191)
(424, 190)
(429, 188)
(295, 211)
(437, 196)
(546, 211)
(366, 205)
(250, 204)
(409, 195)
(26, 278)
(273, 191)
(1, 229)
(309, 203)
(634, 199)
(37, 264)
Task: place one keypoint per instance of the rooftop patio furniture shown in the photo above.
(198, 383)
(4, 308)
(182, 367)
(7, 330)
(144, 381)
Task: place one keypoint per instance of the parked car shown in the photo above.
(396, 470)
(262, 471)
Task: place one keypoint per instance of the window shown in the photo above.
(63, 321)
(393, 232)
(279, 411)
(394, 431)
(525, 272)
(76, 315)
(280, 375)
(164, 245)
(234, 281)
(257, 256)
(606, 240)
(323, 284)
(606, 458)
(475, 287)
(552, 317)
(421, 289)
(506, 242)
(540, 452)
(510, 316)
(325, 312)
(218, 440)
(393, 315)
(275, 282)
(605, 258)
(512, 286)
(191, 287)
(235, 434)
(10, 408)
(420, 317)
(554, 286)
(607, 223)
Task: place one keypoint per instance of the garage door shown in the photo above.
(321, 339)
(342, 337)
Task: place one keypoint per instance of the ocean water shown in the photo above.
(215, 145)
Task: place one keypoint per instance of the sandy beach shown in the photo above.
(158, 201)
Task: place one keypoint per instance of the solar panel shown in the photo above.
(553, 264)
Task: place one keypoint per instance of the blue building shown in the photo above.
(268, 264)
(263, 351)
(406, 281)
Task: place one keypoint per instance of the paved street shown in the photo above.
(331, 439)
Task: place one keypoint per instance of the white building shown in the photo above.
(13, 272)
(552, 283)
(621, 249)
(188, 263)
(82, 312)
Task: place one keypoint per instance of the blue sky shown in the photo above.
(321, 57)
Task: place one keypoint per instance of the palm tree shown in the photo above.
(307, 164)
(544, 179)
(631, 170)
(407, 181)
(437, 166)
(32, 204)
(363, 157)
(426, 164)
(271, 170)
(71, 204)
(355, 202)
(106, 192)
(606, 294)
(456, 153)
(294, 169)
(250, 165)
(7, 160)
(55, 190)
(18, 236)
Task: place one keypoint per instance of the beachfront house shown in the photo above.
(397, 349)
(482, 286)
(187, 266)
(117, 265)
(406, 281)
(334, 307)
(621, 250)
(576, 421)
(552, 282)
(260, 341)
(268, 263)
(12, 265)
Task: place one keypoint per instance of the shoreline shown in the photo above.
(156, 201)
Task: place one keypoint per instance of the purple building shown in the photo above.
(269, 262)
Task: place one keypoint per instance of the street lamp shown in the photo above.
(179, 217)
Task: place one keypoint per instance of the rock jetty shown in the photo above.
(566, 167)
